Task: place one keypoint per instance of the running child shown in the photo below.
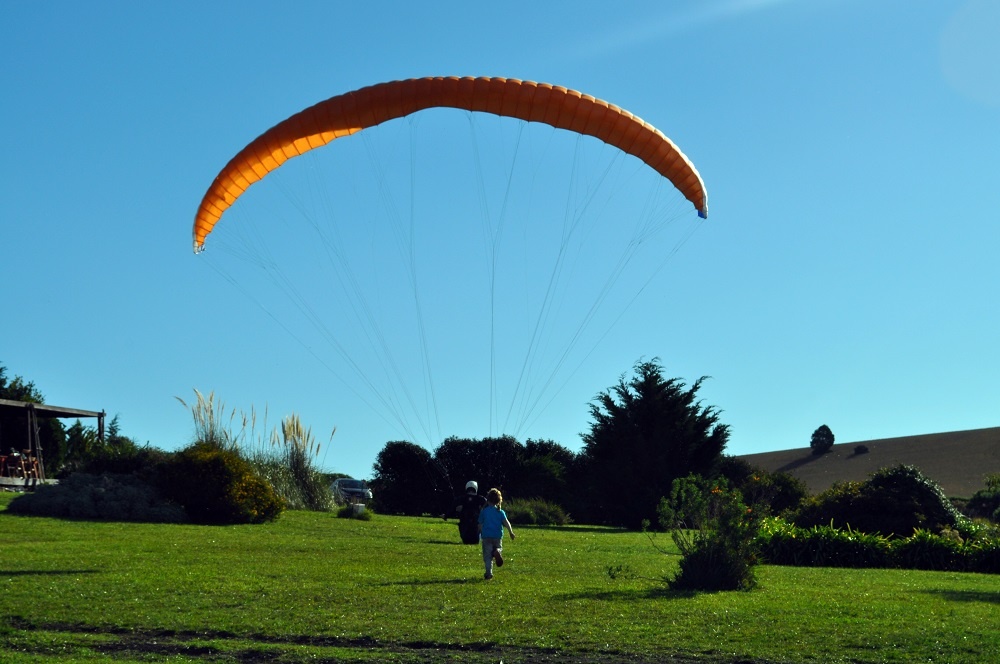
(492, 521)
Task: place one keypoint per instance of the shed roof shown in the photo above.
(46, 410)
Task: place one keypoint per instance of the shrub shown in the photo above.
(143, 462)
(782, 543)
(767, 493)
(536, 512)
(787, 492)
(925, 550)
(985, 503)
(895, 501)
(983, 556)
(111, 497)
(714, 565)
(722, 552)
(354, 512)
(835, 506)
(217, 486)
(909, 501)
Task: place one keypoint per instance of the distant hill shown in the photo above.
(958, 461)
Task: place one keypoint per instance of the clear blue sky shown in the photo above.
(847, 273)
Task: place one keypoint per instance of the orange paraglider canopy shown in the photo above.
(352, 112)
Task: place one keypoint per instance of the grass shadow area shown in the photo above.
(629, 595)
(427, 582)
(985, 597)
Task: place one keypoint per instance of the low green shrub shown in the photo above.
(782, 543)
(144, 462)
(835, 506)
(713, 564)
(925, 550)
(536, 512)
(787, 492)
(217, 486)
(983, 556)
(359, 512)
(715, 532)
(108, 497)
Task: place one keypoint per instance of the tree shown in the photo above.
(460, 462)
(822, 440)
(544, 472)
(492, 462)
(537, 470)
(646, 432)
(81, 445)
(406, 481)
(86, 452)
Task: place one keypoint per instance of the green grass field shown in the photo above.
(312, 587)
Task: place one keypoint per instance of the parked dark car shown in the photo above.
(349, 490)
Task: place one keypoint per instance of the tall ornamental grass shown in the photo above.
(286, 459)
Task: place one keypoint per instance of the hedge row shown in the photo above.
(782, 543)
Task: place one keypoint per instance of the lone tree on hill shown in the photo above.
(822, 440)
(646, 432)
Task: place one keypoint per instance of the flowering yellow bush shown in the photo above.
(218, 486)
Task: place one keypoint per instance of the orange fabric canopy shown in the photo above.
(349, 113)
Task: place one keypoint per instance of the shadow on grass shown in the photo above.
(967, 595)
(45, 572)
(630, 595)
(608, 530)
(427, 582)
(423, 540)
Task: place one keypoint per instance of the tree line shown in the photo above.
(645, 432)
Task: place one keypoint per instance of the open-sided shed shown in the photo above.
(28, 452)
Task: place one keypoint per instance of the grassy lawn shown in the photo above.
(312, 587)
